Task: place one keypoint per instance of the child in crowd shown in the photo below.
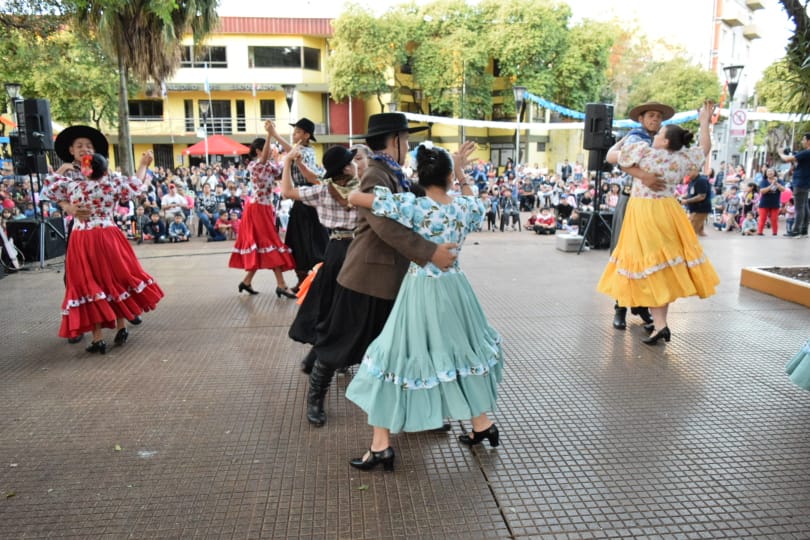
(531, 221)
(731, 209)
(155, 230)
(790, 214)
(749, 225)
(546, 222)
(178, 231)
(489, 209)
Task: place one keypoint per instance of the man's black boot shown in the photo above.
(644, 313)
(619, 317)
(319, 381)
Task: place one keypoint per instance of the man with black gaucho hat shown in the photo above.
(650, 115)
(375, 264)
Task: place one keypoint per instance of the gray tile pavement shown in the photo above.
(602, 436)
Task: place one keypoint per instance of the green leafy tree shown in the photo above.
(582, 73)
(144, 37)
(797, 74)
(677, 83)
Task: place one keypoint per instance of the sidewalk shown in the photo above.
(196, 427)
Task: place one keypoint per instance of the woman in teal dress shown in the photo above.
(437, 356)
(798, 369)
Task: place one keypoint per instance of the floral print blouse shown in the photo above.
(100, 196)
(439, 223)
(262, 176)
(671, 166)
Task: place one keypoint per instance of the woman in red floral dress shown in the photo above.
(105, 285)
(258, 244)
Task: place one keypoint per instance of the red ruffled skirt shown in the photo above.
(103, 282)
(258, 244)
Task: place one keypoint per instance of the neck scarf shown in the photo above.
(395, 168)
(343, 191)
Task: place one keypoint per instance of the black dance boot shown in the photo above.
(319, 381)
(644, 313)
(619, 317)
(308, 361)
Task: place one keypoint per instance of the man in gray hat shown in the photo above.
(649, 115)
(375, 265)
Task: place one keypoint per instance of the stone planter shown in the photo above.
(782, 287)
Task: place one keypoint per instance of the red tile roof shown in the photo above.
(278, 26)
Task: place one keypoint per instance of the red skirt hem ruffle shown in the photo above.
(104, 281)
(258, 245)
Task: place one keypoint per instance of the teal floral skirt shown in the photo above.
(436, 358)
(798, 369)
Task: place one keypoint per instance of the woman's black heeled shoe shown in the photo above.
(248, 288)
(121, 336)
(653, 339)
(649, 328)
(284, 292)
(97, 347)
(491, 434)
(371, 459)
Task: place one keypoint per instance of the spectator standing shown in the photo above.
(732, 209)
(790, 214)
(800, 187)
(698, 200)
(770, 190)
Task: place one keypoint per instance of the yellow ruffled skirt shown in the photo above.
(658, 257)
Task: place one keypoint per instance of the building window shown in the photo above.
(267, 109)
(285, 57)
(312, 59)
(146, 109)
(199, 56)
(188, 110)
(219, 118)
(241, 124)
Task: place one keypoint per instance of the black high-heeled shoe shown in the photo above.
(649, 328)
(121, 336)
(97, 347)
(653, 339)
(245, 287)
(491, 434)
(371, 459)
(284, 292)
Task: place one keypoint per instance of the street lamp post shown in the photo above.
(520, 97)
(204, 108)
(732, 80)
(289, 94)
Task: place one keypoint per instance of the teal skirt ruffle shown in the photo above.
(436, 358)
(798, 369)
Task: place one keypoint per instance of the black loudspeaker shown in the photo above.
(598, 234)
(598, 126)
(34, 124)
(26, 161)
(25, 235)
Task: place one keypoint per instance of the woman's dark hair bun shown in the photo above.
(99, 165)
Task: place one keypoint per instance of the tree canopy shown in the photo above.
(454, 51)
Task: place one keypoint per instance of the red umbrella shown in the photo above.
(217, 145)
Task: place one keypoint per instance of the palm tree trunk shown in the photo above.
(124, 142)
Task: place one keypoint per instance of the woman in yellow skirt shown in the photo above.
(658, 257)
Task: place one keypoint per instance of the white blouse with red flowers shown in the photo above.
(99, 196)
(263, 175)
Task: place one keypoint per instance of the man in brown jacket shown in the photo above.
(375, 265)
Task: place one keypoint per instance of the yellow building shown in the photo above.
(251, 69)
(246, 72)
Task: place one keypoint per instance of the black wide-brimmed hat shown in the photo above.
(65, 139)
(385, 123)
(335, 159)
(666, 111)
(307, 125)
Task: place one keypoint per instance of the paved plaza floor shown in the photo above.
(196, 427)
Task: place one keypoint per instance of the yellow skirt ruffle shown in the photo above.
(658, 257)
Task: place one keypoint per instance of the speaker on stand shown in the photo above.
(598, 138)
